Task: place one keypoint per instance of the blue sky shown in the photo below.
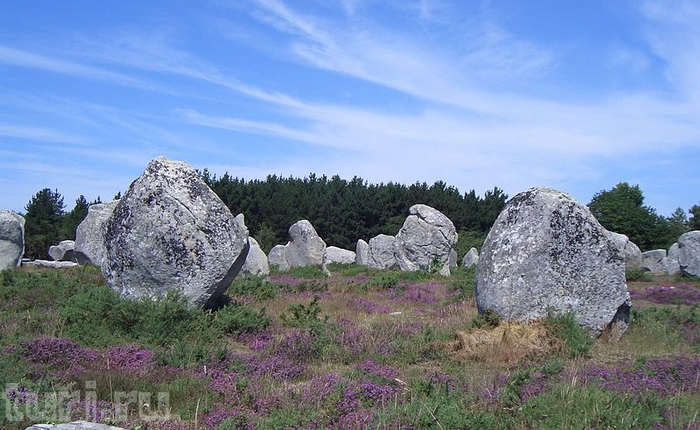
(576, 95)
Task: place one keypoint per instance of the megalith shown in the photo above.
(256, 263)
(547, 253)
(171, 232)
(425, 240)
(90, 234)
(689, 253)
(11, 239)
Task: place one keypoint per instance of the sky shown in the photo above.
(578, 95)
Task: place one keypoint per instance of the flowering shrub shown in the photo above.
(682, 294)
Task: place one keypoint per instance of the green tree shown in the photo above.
(73, 218)
(622, 210)
(694, 221)
(43, 222)
(677, 223)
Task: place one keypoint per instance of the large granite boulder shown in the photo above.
(278, 258)
(547, 253)
(90, 234)
(654, 260)
(339, 255)
(632, 253)
(673, 266)
(171, 232)
(689, 253)
(306, 248)
(362, 253)
(425, 240)
(65, 251)
(256, 263)
(382, 252)
(50, 264)
(11, 239)
(471, 258)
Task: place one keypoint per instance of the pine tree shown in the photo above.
(43, 222)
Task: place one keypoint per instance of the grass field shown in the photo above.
(359, 349)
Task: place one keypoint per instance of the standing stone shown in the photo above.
(90, 234)
(382, 250)
(11, 239)
(171, 232)
(632, 253)
(546, 252)
(673, 266)
(654, 260)
(65, 251)
(339, 255)
(306, 248)
(471, 258)
(453, 258)
(425, 240)
(256, 263)
(362, 253)
(278, 258)
(689, 253)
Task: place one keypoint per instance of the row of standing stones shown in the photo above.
(544, 253)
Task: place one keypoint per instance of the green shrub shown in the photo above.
(637, 274)
(564, 326)
(306, 316)
(488, 319)
(237, 319)
(257, 287)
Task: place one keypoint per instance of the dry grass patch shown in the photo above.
(507, 343)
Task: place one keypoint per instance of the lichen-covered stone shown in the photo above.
(339, 255)
(306, 248)
(256, 263)
(689, 253)
(171, 232)
(11, 239)
(362, 253)
(382, 252)
(471, 258)
(425, 240)
(90, 234)
(654, 260)
(547, 253)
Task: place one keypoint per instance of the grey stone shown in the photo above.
(53, 264)
(547, 253)
(256, 263)
(689, 253)
(171, 232)
(90, 234)
(339, 255)
(11, 239)
(471, 258)
(632, 253)
(306, 248)
(425, 240)
(453, 258)
(362, 253)
(654, 260)
(65, 251)
(278, 258)
(382, 252)
(673, 266)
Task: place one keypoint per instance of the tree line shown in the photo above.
(343, 211)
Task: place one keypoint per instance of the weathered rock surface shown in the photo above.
(306, 248)
(339, 255)
(654, 260)
(471, 258)
(362, 253)
(453, 258)
(425, 240)
(546, 252)
(673, 266)
(65, 251)
(278, 258)
(90, 234)
(382, 250)
(75, 425)
(689, 253)
(11, 239)
(256, 263)
(53, 264)
(632, 253)
(171, 232)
